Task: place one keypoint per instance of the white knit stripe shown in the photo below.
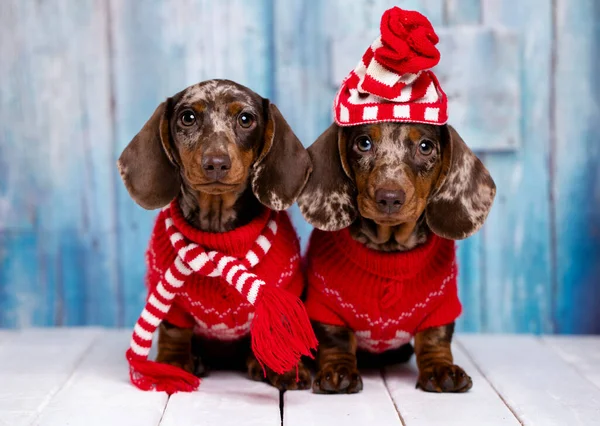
(182, 267)
(160, 289)
(174, 237)
(264, 243)
(172, 280)
(232, 272)
(272, 226)
(139, 350)
(225, 260)
(431, 114)
(168, 222)
(239, 285)
(183, 251)
(402, 111)
(149, 318)
(370, 112)
(252, 258)
(141, 333)
(256, 285)
(199, 261)
(158, 304)
(344, 114)
(405, 94)
(382, 74)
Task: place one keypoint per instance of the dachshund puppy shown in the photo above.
(225, 155)
(381, 190)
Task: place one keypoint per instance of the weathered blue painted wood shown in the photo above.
(53, 116)
(518, 291)
(576, 191)
(463, 12)
(161, 47)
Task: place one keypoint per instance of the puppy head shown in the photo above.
(393, 173)
(215, 137)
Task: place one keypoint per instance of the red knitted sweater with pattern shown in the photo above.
(384, 297)
(208, 304)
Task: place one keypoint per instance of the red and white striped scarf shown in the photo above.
(281, 332)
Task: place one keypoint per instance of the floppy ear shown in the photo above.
(282, 167)
(464, 193)
(328, 201)
(145, 167)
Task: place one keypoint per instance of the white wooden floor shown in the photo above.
(63, 377)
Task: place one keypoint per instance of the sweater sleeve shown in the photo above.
(446, 311)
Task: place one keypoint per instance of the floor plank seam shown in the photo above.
(162, 415)
(566, 361)
(468, 355)
(382, 372)
(48, 399)
(281, 404)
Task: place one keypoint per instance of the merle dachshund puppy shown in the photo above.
(393, 185)
(224, 153)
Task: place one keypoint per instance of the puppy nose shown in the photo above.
(216, 166)
(390, 200)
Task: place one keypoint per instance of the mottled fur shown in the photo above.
(268, 166)
(446, 190)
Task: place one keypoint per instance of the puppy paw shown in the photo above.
(185, 362)
(255, 370)
(287, 381)
(444, 378)
(337, 378)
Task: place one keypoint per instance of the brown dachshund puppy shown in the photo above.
(224, 152)
(393, 184)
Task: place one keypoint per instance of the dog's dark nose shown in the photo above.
(390, 200)
(216, 166)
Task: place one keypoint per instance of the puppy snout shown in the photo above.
(390, 200)
(216, 166)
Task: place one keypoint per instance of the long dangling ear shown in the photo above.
(328, 201)
(145, 165)
(464, 193)
(283, 165)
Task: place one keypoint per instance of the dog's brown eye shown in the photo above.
(426, 147)
(187, 117)
(246, 120)
(364, 144)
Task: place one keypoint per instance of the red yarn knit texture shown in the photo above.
(209, 304)
(384, 297)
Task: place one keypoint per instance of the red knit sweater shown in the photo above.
(384, 297)
(209, 304)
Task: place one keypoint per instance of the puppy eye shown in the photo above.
(246, 120)
(363, 144)
(426, 147)
(187, 117)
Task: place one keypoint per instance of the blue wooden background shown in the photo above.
(78, 78)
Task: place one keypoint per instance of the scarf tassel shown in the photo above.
(150, 375)
(281, 332)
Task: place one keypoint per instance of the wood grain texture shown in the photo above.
(539, 387)
(576, 189)
(99, 393)
(518, 268)
(225, 399)
(582, 352)
(371, 406)
(480, 406)
(56, 202)
(36, 365)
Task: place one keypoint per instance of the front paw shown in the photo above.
(337, 378)
(444, 378)
(286, 381)
(185, 362)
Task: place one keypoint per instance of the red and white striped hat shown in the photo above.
(393, 81)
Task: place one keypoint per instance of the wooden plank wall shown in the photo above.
(81, 77)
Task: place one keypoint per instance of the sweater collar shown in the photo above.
(236, 242)
(433, 254)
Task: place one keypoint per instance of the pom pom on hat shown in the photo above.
(393, 81)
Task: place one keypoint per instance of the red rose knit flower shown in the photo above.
(408, 42)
